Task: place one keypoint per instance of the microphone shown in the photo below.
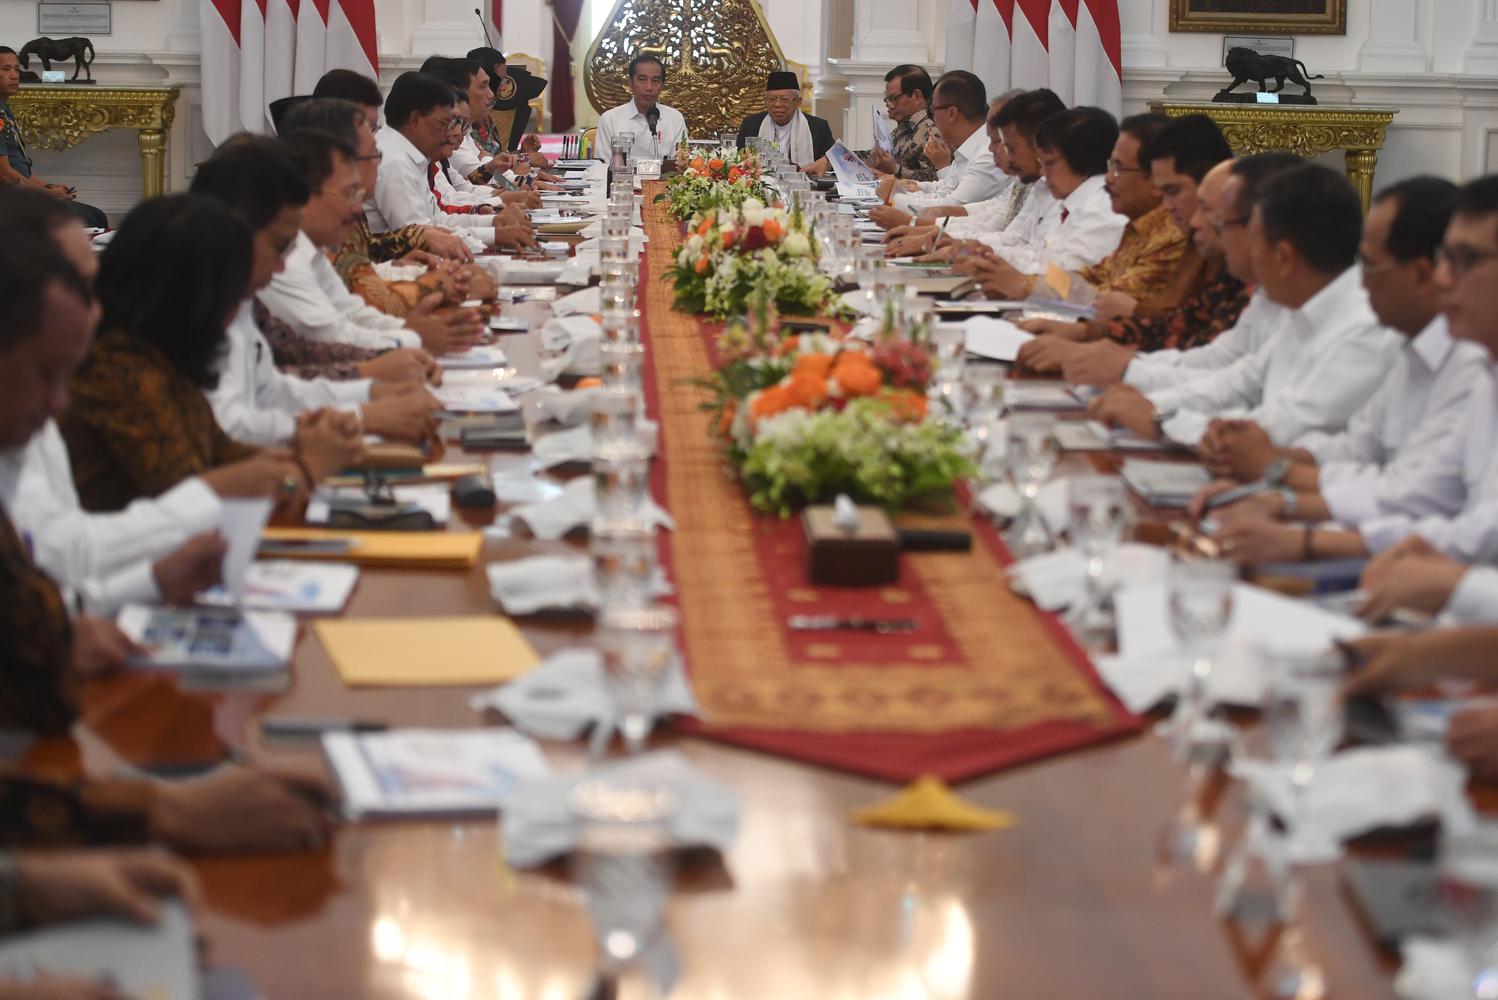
(478, 13)
(653, 119)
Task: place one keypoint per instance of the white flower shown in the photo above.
(754, 212)
(797, 245)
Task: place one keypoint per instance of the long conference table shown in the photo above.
(1069, 902)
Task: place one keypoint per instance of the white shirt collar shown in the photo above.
(1434, 344)
(397, 144)
(1327, 306)
(972, 147)
(635, 114)
(1087, 189)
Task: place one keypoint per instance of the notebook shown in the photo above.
(207, 644)
(426, 652)
(313, 588)
(1165, 484)
(431, 772)
(414, 549)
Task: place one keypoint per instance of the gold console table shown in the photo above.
(59, 116)
(1306, 130)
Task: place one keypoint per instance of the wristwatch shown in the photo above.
(1290, 503)
(1275, 472)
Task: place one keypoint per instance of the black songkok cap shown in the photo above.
(782, 80)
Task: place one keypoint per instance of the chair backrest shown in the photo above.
(803, 73)
(538, 70)
(590, 136)
(504, 125)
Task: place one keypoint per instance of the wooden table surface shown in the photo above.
(1067, 903)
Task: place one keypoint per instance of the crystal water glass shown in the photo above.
(621, 486)
(620, 325)
(614, 420)
(622, 863)
(949, 350)
(622, 545)
(728, 143)
(622, 365)
(616, 292)
(615, 228)
(1032, 459)
(1200, 605)
(639, 654)
(1099, 508)
(868, 260)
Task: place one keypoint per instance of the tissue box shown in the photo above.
(867, 557)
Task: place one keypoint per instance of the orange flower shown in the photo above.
(715, 164)
(787, 346)
(735, 173)
(856, 374)
(701, 266)
(819, 365)
(589, 382)
(696, 163)
(725, 419)
(807, 390)
(705, 227)
(775, 399)
(773, 231)
(906, 404)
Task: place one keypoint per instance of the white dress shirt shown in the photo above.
(990, 216)
(627, 119)
(258, 404)
(1475, 600)
(1073, 233)
(971, 177)
(467, 158)
(1256, 325)
(1328, 357)
(1472, 534)
(455, 189)
(1394, 458)
(310, 297)
(402, 198)
(103, 560)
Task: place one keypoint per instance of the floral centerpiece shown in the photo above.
(814, 416)
(714, 182)
(731, 253)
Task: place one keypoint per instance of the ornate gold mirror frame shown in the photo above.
(717, 54)
(1258, 18)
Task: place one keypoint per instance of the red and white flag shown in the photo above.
(259, 51)
(1074, 47)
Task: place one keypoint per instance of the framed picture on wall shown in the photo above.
(1323, 17)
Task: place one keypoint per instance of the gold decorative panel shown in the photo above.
(717, 54)
(60, 116)
(1305, 130)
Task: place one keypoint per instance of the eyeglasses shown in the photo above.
(1218, 225)
(354, 196)
(1116, 167)
(1462, 258)
(890, 100)
(458, 125)
(374, 157)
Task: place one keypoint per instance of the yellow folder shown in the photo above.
(416, 549)
(425, 652)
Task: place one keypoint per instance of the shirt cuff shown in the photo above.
(1381, 533)
(1475, 599)
(193, 505)
(1351, 500)
(1186, 427)
(352, 391)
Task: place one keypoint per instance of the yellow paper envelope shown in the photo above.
(1058, 279)
(416, 549)
(928, 804)
(425, 652)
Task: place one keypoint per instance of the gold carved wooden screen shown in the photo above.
(717, 54)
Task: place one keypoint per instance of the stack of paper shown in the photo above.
(1041, 396)
(483, 356)
(211, 645)
(990, 337)
(474, 399)
(431, 772)
(1165, 484)
(434, 498)
(157, 962)
(1090, 435)
(305, 587)
(426, 652)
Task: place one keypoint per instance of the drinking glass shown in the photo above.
(1032, 458)
(615, 228)
(1200, 595)
(1099, 518)
(613, 245)
(622, 365)
(616, 291)
(1467, 870)
(728, 143)
(868, 260)
(620, 325)
(622, 545)
(622, 863)
(621, 271)
(949, 347)
(639, 652)
(621, 487)
(1303, 716)
(985, 393)
(613, 417)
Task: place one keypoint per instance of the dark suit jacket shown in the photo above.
(821, 133)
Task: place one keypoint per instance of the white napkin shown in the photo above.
(553, 583)
(579, 338)
(538, 823)
(549, 520)
(1004, 501)
(575, 444)
(1434, 969)
(586, 302)
(566, 408)
(1364, 789)
(1239, 675)
(565, 694)
(1056, 580)
(858, 301)
(511, 271)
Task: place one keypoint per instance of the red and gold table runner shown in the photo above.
(986, 682)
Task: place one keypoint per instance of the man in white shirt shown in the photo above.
(309, 296)
(1330, 351)
(966, 170)
(418, 115)
(1078, 228)
(1395, 457)
(657, 128)
(254, 401)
